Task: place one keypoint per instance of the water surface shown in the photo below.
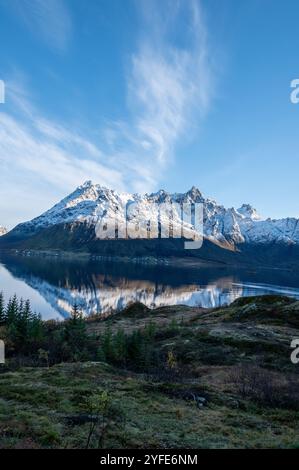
(54, 285)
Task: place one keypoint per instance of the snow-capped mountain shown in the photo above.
(3, 231)
(90, 203)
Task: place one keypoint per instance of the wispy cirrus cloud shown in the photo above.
(169, 88)
(42, 160)
(48, 19)
(170, 81)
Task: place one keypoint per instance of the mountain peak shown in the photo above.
(248, 211)
(86, 184)
(195, 194)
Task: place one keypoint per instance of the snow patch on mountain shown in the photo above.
(3, 230)
(90, 203)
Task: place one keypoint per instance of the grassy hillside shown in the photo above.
(166, 378)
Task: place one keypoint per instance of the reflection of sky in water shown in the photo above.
(9, 285)
(260, 289)
(54, 288)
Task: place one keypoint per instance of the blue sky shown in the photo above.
(140, 95)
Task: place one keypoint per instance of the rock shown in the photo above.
(200, 401)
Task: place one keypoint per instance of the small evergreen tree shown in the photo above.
(2, 310)
(35, 329)
(150, 330)
(22, 322)
(12, 311)
(120, 350)
(24, 329)
(107, 345)
(76, 334)
(135, 347)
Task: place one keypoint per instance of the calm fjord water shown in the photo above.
(55, 285)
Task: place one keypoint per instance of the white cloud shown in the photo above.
(49, 19)
(169, 91)
(169, 87)
(38, 156)
(47, 159)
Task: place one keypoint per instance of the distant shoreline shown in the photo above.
(171, 261)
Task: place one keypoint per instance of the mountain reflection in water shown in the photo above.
(54, 285)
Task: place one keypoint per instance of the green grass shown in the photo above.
(48, 408)
(36, 403)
